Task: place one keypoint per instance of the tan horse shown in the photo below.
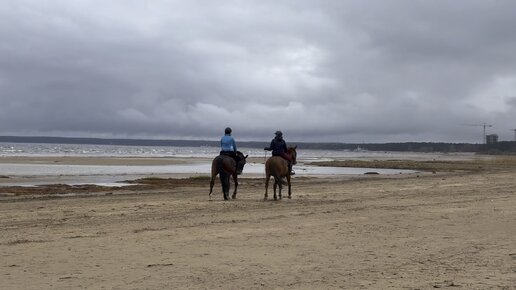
(226, 166)
(278, 168)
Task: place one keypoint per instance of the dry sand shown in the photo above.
(453, 230)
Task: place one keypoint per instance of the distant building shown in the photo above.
(491, 139)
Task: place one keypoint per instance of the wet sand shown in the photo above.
(454, 228)
(73, 175)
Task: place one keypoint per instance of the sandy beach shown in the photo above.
(452, 226)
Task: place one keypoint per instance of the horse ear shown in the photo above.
(295, 147)
(246, 156)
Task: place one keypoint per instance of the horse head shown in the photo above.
(293, 153)
(241, 161)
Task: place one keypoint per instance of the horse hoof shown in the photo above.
(289, 197)
(233, 196)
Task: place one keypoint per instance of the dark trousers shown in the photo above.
(231, 154)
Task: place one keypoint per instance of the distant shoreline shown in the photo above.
(500, 147)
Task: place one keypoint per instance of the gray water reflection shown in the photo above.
(108, 175)
(198, 168)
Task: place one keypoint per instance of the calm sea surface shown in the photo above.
(104, 173)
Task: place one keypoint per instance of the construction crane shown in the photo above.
(484, 126)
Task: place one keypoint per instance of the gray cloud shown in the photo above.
(345, 71)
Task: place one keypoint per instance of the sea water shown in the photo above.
(200, 164)
(87, 150)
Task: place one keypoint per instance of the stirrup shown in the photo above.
(292, 172)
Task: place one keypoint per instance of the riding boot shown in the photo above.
(290, 168)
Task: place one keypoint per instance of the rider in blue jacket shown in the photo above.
(228, 144)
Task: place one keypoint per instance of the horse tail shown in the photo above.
(276, 174)
(224, 177)
(214, 173)
(279, 180)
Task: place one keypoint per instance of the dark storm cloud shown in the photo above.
(350, 71)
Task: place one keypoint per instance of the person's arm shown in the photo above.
(270, 146)
(234, 144)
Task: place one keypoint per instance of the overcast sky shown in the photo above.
(344, 71)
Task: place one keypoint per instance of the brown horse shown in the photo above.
(226, 166)
(278, 168)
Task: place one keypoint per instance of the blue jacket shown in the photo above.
(227, 143)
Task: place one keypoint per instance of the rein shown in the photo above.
(264, 161)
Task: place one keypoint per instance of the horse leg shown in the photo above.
(214, 173)
(212, 183)
(289, 187)
(227, 186)
(279, 191)
(276, 183)
(266, 186)
(235, 180)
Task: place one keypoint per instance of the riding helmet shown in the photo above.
(227, 130)
(278, 133)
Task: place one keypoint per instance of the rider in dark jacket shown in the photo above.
(279, 148)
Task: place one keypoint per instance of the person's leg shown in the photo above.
(290, 162)
(292, 172)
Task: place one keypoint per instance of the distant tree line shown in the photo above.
(503, 147)
(496, 148)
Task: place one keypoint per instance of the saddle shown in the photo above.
(231, 154)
